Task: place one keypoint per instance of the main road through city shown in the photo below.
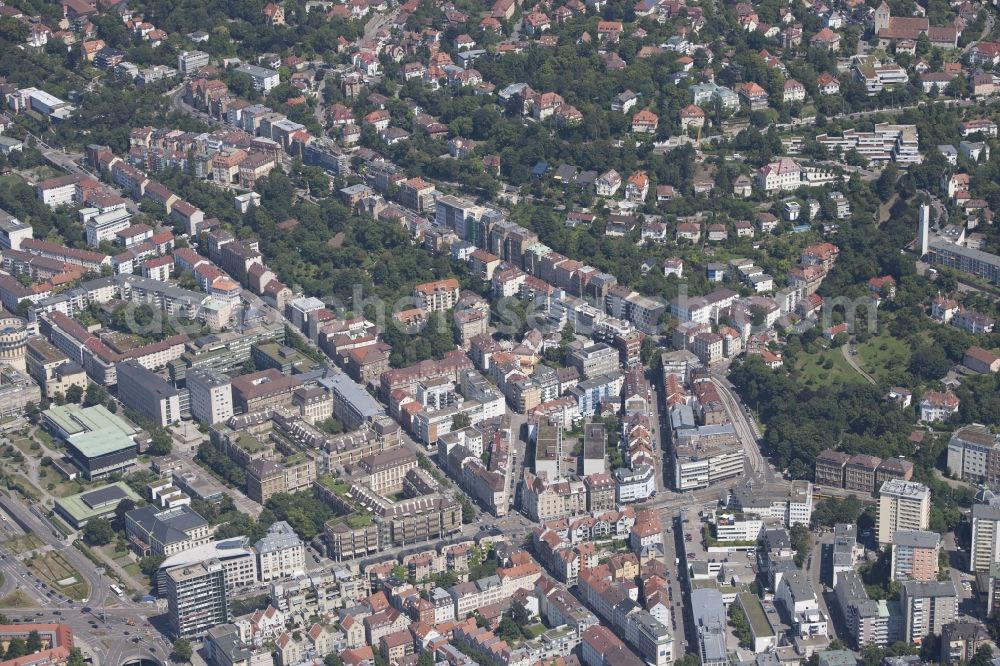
(110, 631)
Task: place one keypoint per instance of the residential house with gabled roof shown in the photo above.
(793, 91)
(624, 101)
(637, 187)
(379, 119)
(545, 105)
(826, 39)
(609, 32)
(984, 54)
(821, 254)
(981, 360)
(274, 15)
(383, 623)
(569, 115)
(883, 287)
(491, 24)
(645, 122)
(717, 233)
(938, 406)
(753, 96)
(536, 23)
(689, 231)
(828, 84)
(608, 183)
(744, 229)
(743, 186)
(503, 10)
(38, 35)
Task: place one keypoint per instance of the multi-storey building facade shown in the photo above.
(385, 471)
(280, 552)
(52, 369)
(830, 468)
(268, 477)
(927, 607)
(437, 296)
(211, 395)
(860, 471)
(196, 598)
(974, 454)
(148, 394)
(902, 505)
(546, 501)
(867, 621)
(985, 543)
(915, 555)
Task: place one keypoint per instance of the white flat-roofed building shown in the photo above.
(795, 594)
(189, 62)
(790, 506)
(705, 455)
(263, 78)
(709, 614)
(635, 485)
(965, 259)
(211, 395)
(12, 231)
(38, 101)
(236, 557)
(593, 360)
(899, 143)
(103, 224)
(737, 526)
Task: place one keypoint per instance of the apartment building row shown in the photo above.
(461, 455)
(371, 522)
(860, 472)
(649, 637)
(96, 357)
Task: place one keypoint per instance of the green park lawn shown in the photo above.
(883, 355)
(810, 369)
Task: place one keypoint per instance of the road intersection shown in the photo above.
(110, 631)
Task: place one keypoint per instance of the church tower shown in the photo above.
(882, 16)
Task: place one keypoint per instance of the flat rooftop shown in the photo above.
(756, 615)
(546, 440)
(99, 501)
(93, 431)
(594, 440)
